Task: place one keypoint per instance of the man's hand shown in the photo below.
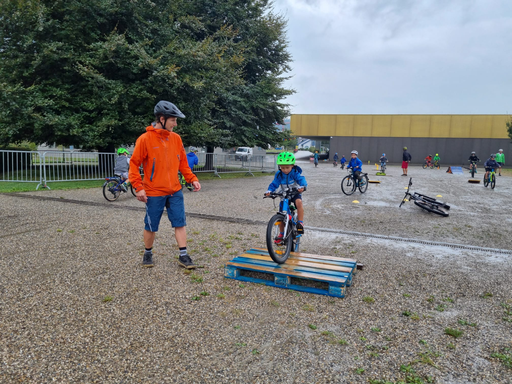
(141, 196)
(197, 186)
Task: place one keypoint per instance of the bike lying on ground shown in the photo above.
(285, 221)
(427, 203)
(350, 183)
(113, 187)
(491, 179)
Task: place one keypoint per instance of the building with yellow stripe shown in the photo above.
(452, 136)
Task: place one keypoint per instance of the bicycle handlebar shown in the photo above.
(288, 192)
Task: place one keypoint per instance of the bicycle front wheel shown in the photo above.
(111, 191)
(493, 181)
(279, 250)
(486, 181)
(431, 208)
(472, 172)
(348, 186)
(363, 184)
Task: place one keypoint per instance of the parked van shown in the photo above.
(243, 153)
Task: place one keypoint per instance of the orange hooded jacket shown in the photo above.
(162, 155)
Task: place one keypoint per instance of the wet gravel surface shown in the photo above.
(75, 305)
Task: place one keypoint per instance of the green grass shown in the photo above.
(13, 186)
(505, 357)
(453, 332)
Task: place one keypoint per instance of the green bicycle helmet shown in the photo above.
(120, 151)
(285, 158)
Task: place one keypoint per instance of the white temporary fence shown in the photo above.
(230, 163)
(53, 166)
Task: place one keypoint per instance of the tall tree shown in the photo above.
(90, 74)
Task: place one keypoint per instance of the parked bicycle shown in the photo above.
(113, 187)
(491, 179)
(425, 202)
(350, 183)
(285, 221)
(184, 183)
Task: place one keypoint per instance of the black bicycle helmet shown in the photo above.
(167, 109)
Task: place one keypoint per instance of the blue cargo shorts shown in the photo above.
(155, 208)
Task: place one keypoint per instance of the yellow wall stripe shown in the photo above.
(433, 126)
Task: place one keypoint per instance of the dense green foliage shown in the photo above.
(88, 73)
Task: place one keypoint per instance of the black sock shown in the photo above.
(183, 251)
(148, 249)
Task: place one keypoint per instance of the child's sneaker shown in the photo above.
(300, 228)
(147, 260)
(279, 238)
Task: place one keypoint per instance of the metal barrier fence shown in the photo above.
(53, 166)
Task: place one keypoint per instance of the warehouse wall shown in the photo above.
(451, 151)
(436, 126)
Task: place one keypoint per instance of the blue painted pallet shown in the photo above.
(336, 272)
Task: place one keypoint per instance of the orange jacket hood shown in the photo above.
(161, 155)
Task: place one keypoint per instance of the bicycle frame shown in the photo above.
(285, 210)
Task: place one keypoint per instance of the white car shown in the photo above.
(243, 153)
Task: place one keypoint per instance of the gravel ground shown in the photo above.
(76, 306)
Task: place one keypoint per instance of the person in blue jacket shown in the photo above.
(192, 159)
(289, 176)
(356, 164)
(490, 164)
(343, 161)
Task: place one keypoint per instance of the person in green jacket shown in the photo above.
(437, 160)
(500, 159)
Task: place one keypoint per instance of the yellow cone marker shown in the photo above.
(439, 196)
(356, 202)
(406, 200)
(406, 187)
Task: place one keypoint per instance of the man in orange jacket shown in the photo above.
(161, 153)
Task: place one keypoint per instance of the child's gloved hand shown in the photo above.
(300, 190)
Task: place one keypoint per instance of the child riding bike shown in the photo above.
(473, 159)
(335, 158)
(383, 161)
(437, 160)
(289, 176)
(428, 160)
(343, 161)
(356, 164)
(122, 167)
(489, 165)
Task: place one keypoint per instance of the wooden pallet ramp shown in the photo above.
(301, 272)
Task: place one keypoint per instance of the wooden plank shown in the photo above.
(300, 263)
(292, 254)
(315, 270)
(303, 275)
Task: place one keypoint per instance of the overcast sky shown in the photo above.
(400, 56)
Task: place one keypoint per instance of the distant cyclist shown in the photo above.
(437, 160)
(335, 158)
(343, 161)
(500, 159)
(490, 164)
(122, 167)
(383, 160)
(473, 159)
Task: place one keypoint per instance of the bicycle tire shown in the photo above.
(431, 208)
(278, 253)
(472, 173)
(431, 167)
(134, 193)
(350, 185)
(424, 166)
(493, 181)
(111, 191)
(486, 182)
(189, 186)
(364, 188)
